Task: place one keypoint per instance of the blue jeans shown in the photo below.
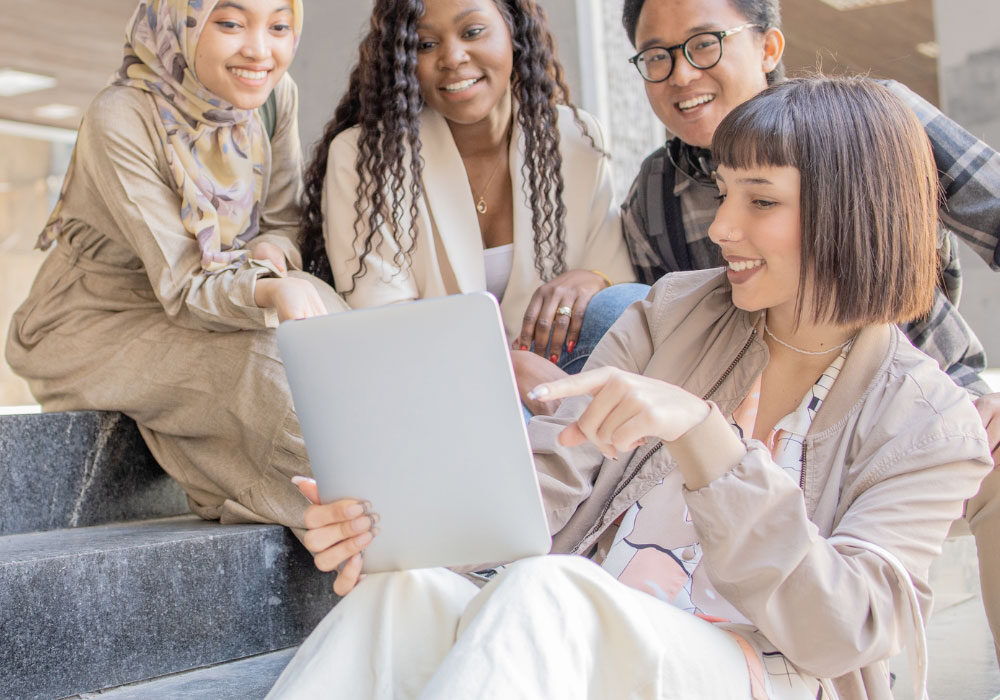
(603, 310)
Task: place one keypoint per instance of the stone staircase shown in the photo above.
(107, 581)
(110, 589)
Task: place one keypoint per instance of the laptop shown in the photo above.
(414, 407)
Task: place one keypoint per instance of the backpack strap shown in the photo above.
(673, 217)
(269, 114)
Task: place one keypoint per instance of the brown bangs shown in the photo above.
(869, 193)
(760, 137)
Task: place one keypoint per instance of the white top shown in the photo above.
(499, 262)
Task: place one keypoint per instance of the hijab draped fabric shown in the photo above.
(215, 152)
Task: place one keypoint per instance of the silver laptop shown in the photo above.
(414, 407)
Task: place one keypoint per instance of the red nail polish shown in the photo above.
(553, 358)
(570, 345)
(524, 347)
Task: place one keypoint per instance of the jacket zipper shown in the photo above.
(635, 471)
(802, 473)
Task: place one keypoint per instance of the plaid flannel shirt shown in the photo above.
(970, 179)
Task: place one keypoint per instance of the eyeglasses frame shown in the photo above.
(720, 35)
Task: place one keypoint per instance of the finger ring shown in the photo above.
(565, 311)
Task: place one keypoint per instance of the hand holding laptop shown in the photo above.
(337, 534)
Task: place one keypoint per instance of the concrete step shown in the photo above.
(62, 470)
(246, 679)
(91, 608)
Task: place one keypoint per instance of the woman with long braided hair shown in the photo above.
(455, 163)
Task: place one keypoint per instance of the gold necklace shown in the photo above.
(481, 201)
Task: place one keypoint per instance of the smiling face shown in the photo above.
(758, 227)
(692, 102)
(244, 49)
(464, 60)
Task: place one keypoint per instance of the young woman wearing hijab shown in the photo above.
(456, 163)
(751, 477)
(173, 251)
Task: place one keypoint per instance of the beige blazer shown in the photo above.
(448, 256)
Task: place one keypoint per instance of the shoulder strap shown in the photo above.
(914, 634)
(676, 236)
(269, 114)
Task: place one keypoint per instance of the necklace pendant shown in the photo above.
(481, 205)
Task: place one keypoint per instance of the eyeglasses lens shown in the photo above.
(701, 51)
(655, 64)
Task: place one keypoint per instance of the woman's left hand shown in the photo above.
(626, 409)
(530, 371)
(265, 250)
(572, 289)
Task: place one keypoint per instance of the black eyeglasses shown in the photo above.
(703, 51)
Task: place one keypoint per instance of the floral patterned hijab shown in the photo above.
(215, 151)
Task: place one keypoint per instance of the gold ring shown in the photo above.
(565, 311)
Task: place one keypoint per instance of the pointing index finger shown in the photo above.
(574, 385)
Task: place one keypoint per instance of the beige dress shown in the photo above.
(121, 317)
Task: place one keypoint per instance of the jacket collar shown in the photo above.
(869, 357)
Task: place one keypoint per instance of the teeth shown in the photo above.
(741, 265)
(250, 74)
(695, 101)
(458, 87)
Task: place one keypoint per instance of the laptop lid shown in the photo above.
(414, 407)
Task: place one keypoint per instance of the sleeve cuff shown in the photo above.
(259, 318)
(287, 246)
(707, 451)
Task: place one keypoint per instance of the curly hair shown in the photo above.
(384, 100)
(766, 14)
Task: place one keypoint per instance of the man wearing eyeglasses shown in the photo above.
(699, 59)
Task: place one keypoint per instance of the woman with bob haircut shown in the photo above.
(174, 256)
(758, 464)
(455, 163)
(741, 50)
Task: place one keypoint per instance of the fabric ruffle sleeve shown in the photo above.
(121, 158)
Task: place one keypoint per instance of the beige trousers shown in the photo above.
(549, 627)
(983, 514)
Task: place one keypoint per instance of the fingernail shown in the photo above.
(354, 510)
(302, 480)
(366, 537)
(570, 345)
(554, 358)
(524, 347)
(538, 392)
(367, 505)
(375, 531)
(361, 524)
(375, 517)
